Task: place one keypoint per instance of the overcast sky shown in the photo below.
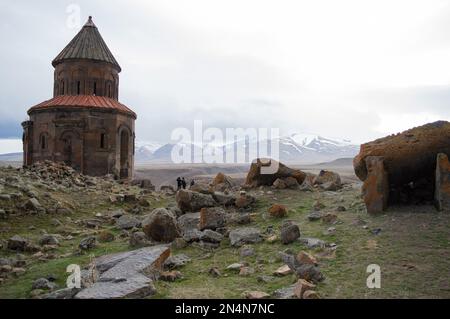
(347, 69)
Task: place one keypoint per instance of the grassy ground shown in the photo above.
(412, 249)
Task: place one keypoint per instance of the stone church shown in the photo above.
(84, 124)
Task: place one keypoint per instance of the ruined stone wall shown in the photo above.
(86, 139)
(86, 77)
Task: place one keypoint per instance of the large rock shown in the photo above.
(144, 183)
(224, 199)
(328, 177)
(310, 273)
(88, 243)
(267, 171)
(222, 182)
(442, 191)
(127, 222)
(161, 225)
(244, 200)
(212, 218)
(278, 211)
(290, 232)
(247, 235)
(375, 189)
(189, 201)
(126, 275)
(188, 225)
(409, 155)
(409, 159)
(48, 240)
(18, 243)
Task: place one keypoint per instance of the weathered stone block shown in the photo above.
(442, 190)
(376, 186)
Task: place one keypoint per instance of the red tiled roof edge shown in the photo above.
(83, 101)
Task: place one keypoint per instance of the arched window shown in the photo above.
(61, 87)
(78, 87)
(95, 88)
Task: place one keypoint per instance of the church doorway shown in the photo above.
(71, 149)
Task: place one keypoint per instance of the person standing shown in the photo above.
(183, 183)
(179, 183)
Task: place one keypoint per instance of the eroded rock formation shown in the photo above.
(401, 168)
(267, 171)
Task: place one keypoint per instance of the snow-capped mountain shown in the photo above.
(299, 148)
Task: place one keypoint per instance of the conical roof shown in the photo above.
(87, 44)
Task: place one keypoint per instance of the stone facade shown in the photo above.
(84, 125)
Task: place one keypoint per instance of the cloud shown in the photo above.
(340, 68)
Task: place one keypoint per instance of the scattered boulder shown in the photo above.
(224, 199)
(306, 186)
(202, 187)
(279, 184)
(291, 183)
(285, 293)
(18, 243)
(106, 236)
(318, 205)
(329, 218)
(256, 295)
(214, 272)
(315, 216)
(246, 235)
(283, 271)
(44, 284)
(278, 211)
(305, 258)
(176, 261)
(127, 222)
(310, 273)
(212, 218)
(246, 271)
(211, 236)
(290, 232)
(125, 275)
(267, 171)
(139, 239)
(170, 276)
(312, 243)
(33, 204)
(167, 189)
(222, 182)
(161, 225)
(246, 251)
(48, 240)
(303, 286)
(143, 183)
(328, 180)
(244, 200)
(189, 201)
(236, 267)
(65, 293)
(88, 243)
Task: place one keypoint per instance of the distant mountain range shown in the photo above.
(295, 148)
